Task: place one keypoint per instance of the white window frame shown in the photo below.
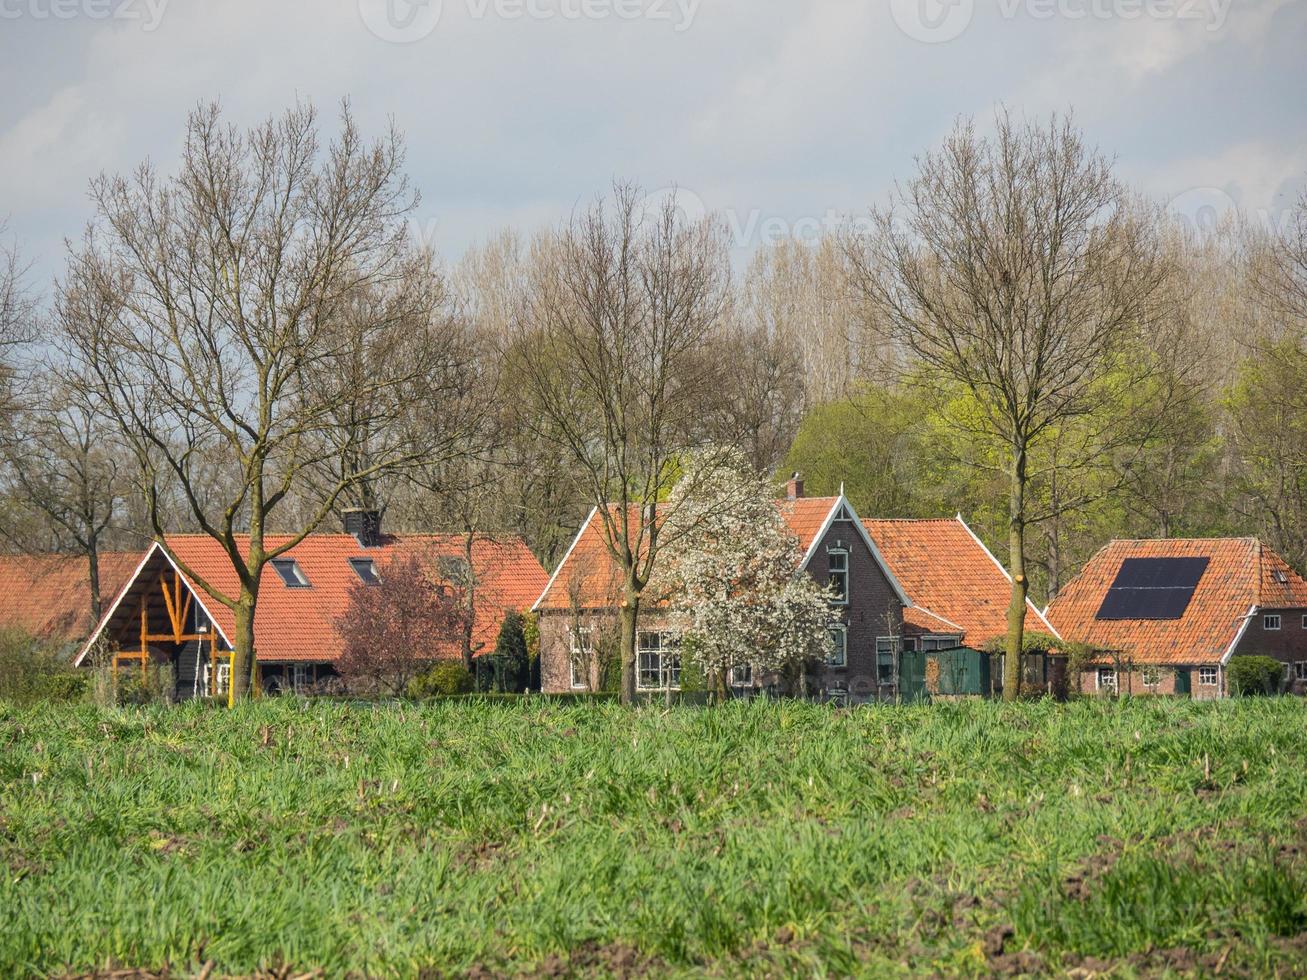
(1213, 672)
(668, 652)
(1106, 679)
(223, 682)
(1151, 671)
(1304, 622)
(832, 572)
(580, 649)
(1300, 670)
(742, 675)
(838, 654)
(886, 644)
(1272, 618)
(838, 697)
(301, 678)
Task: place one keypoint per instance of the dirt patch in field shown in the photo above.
(590, 959)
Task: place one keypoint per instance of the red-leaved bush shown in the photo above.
(396, 629)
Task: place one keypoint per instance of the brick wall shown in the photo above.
(1134, 682)
(873, 611)
(1287, 644)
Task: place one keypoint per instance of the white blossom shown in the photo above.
(732, 581)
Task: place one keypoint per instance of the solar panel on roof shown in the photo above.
(1153, 588)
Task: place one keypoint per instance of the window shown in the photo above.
(301, 678)
(742, 676)
(1152, 677)
(838, 563)
(1107, 678)
(1280, 577)
(932, 643)
(658, 661)
(1207, 676)
(1304, 622)
(885, 660)
(839, 647)
(366, 570)
(1270, 622)
(1300, 670)
(223, 678)
(582, 647)
(291, 575)
(838, 697)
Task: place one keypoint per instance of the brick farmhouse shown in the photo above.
(899, 585)
(1168, 615)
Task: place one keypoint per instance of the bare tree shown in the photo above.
(616, 351)
(1015, 269)
(66, 463)
(215, 317)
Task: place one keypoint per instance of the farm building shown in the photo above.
(902, 587)
(1170, 614)
(162, 616)
(48, 597)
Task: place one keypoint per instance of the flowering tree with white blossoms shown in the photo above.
(731, 582)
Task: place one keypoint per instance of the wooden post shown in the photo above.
(145, 639)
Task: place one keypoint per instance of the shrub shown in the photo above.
(512, 666)
(1255, 676)
(32, 671)
(446, 678)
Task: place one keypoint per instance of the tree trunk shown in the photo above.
(469, 601)
(242, 661)
(630, 612)
(93, 570)
(1016, 613)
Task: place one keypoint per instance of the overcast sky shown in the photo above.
(778, 113)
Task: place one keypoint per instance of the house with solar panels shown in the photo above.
(1167, 616)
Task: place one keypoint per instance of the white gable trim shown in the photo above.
(842, 502)
(1243, 628)
(999, 565)
(566, 555)
(104, 620)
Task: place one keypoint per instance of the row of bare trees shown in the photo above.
(250, 344)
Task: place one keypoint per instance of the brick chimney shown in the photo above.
(364, 525)
(794, 488)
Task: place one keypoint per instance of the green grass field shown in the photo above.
(1132, 838)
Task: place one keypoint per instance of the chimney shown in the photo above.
(794, 488)
(364, 525)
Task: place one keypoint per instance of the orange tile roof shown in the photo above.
(944, 567)
(299, 624)
(49, 596)
(919, 620)
(1241, 574)
(588, 578)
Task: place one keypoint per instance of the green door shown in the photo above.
(912, 676)
(1182, 681)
